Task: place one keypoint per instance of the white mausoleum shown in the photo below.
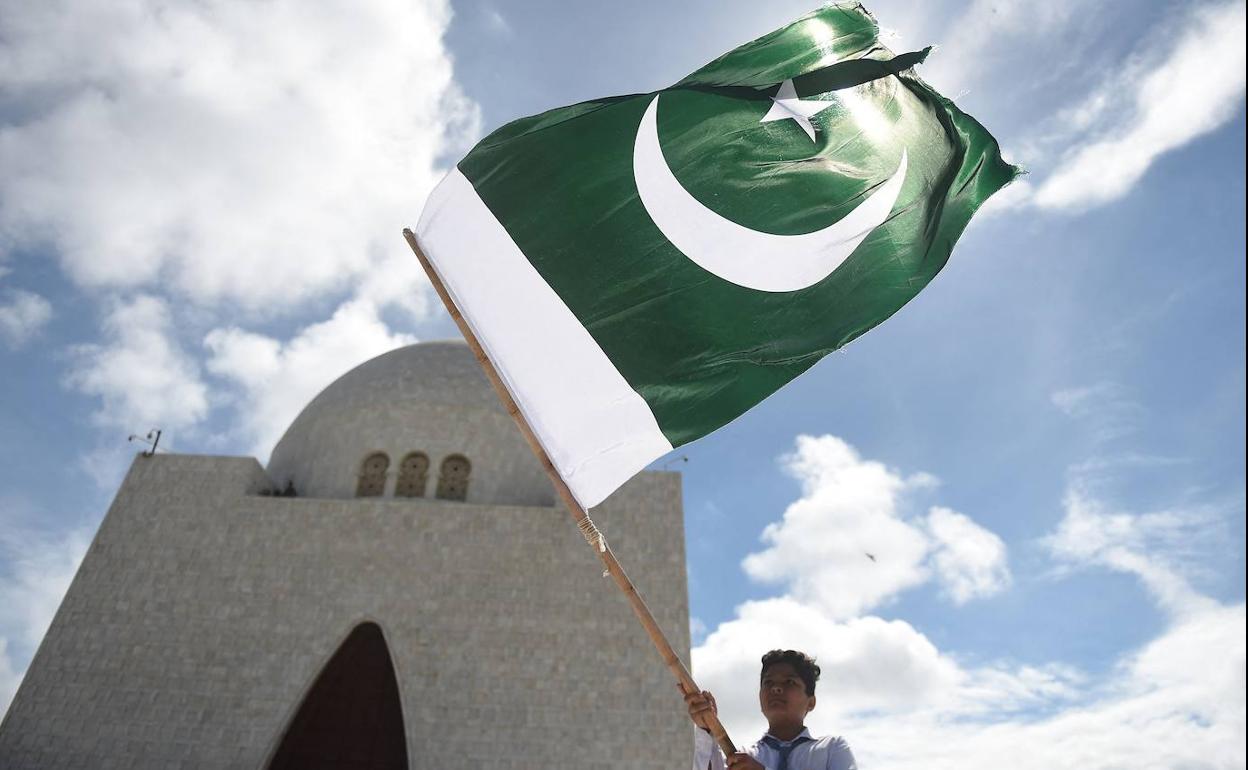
(421, 602)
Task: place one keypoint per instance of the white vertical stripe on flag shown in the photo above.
(596, 429)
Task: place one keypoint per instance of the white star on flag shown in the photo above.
(786, 106)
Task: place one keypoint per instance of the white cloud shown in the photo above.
(969, 561)
(229, 160)
(278, 379)
(1013, 196)
(1176, 702)
(398, 281)
(1196, 88)
(1080, 401)
(871, 669)
(869, 663)
(1196, 670)
(1151, 546)
(142, 376)
(258, 153)
(22, 315)
(10, 678)
(1180, 81)
(845, 545)
(496, 22)
(38, 567)
(108, 461)
(41, 569)
(987, 35)
(1105, 407)
(902, 703)
(843, 548)
(1164, 708)
(697, 629)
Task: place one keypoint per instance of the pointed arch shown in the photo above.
(351, 717)
(372, 480)
(453, 478)
(413, 475)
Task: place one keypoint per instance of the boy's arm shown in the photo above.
(706, 755)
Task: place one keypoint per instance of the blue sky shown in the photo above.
(199, 218)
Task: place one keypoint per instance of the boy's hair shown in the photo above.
(802, 663)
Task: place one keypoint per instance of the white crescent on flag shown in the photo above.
(738, 254)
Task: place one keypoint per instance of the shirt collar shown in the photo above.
(805, 733)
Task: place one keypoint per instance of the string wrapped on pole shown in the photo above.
(592, 535)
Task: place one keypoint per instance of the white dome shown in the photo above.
(431, 398)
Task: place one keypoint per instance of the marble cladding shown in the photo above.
(433, 398)
(203, 611)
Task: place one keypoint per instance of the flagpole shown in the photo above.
(583, 522)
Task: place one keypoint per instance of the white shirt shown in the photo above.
(817, 754)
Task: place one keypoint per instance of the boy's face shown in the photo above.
(782, 695)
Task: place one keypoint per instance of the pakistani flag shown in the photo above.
(643, 269)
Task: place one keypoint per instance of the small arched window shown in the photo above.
(413, 473)
(372, 481)
(453, 480)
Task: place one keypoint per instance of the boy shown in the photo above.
(786, 694)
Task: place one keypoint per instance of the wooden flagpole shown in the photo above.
(583, 522)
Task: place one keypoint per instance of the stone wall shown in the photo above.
(203, 612)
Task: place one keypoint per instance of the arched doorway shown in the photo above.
(351, 718)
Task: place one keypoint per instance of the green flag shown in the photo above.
(643, 269)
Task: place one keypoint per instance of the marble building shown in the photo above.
(398, 589)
